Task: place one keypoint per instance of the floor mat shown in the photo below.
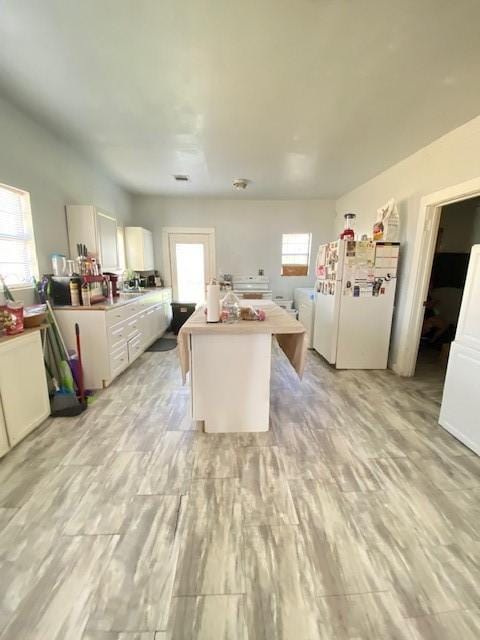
(163, 344)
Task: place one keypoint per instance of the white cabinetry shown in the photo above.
(112, 338)
(304, 300)
(139, 249)
(96, 230)
(23, 388)
(4, 446)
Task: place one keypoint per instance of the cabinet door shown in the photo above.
(4, 446)
(107, 240)
(23, 385)
(159, 319)
(150, 325)
(147, 250)
(81, 225)
(166, 316)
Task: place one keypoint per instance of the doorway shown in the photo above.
(189, 263)
(458, 231)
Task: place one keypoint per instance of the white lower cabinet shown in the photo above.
(135, 348)
(111, 339)
(23, 388)
(4, 446)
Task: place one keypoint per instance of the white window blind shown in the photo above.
(295, 253)
(18, 260)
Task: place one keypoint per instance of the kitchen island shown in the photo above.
(229, 366)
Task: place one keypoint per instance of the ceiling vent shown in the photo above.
(240, 184)
(181, 178)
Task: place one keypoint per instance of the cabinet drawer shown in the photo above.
(118, 360)
(135, 348)
(117, 335)
(132, 308)
(116, 315)
(133, 327)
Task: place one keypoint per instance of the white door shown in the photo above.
(190, 264)
(458, 413)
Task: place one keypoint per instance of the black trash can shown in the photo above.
(181, 311)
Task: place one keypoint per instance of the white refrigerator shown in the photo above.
(355, 292)
(459, 412)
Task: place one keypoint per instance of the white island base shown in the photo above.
(230, 381)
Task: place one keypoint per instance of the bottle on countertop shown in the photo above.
(213, 301)
(75, 293)
(86, 297)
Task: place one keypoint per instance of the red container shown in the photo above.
(14, 323)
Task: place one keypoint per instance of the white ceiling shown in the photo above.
(306, 98)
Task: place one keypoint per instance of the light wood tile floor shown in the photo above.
(356, 517)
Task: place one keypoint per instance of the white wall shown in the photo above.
(248, 232)
(33, 159)
(450, 160)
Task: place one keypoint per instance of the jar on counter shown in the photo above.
(230, 308)
(13, 318)
(75, 293)
(59, 264)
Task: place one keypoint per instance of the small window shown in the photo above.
(296, 253)
(18, 259)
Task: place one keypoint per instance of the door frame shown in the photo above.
(423, 254)
(166, 258)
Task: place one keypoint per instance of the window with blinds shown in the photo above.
(18, 260)
(296, 253)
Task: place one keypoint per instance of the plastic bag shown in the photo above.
(387, 226)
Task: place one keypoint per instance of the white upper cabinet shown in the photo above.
(97, 230)
(139, 249)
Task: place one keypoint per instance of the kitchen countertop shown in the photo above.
(289, 332)
(121, 301)
(5, 338)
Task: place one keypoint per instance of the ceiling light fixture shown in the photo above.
(179, 177)
(240, 184)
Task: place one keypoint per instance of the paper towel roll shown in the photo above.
(213, 302)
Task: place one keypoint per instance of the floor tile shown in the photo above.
(57, 603)
(367, 616)
(452, 625)
(210, 559)
(121, 635)
(280, 600)
(431, 579)
(170, 468)
(136, 587)
(219, 617)
(265, 493)
(107, 503)
(215, 462)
